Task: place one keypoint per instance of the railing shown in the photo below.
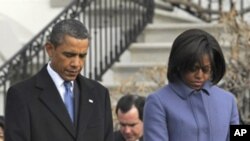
(113, 25)
(211, 10)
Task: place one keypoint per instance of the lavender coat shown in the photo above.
(172, 114)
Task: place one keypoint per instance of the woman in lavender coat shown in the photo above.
(191, 107)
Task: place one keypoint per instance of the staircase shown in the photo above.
(113, 26)
(148, 54)
(151, 51)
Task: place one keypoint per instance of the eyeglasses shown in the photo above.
(204, 69)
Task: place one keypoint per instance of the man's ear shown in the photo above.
(49, 49)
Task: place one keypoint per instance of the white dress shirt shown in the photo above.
(58, 81)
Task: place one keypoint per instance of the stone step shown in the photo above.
(124, 71)
(141, 57)
(169, 31)
(159, 52)
(149, 52)
(160, 4)
(176, 16)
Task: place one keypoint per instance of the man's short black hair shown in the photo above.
(126, 102)
(69, 27)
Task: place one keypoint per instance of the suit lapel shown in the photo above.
(86, 103)
(52, 100)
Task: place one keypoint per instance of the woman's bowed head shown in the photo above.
(191, 106)
(196, 57)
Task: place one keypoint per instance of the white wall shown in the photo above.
(32, 14)
(20, 20)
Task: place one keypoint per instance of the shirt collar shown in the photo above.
(184, 91)
(57, 79)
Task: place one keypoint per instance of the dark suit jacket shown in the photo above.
(36, 112)
(118, 136)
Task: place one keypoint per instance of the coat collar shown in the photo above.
(50, 97)
(86, 103)
(183, 91)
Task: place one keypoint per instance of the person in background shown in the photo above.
(129, 111)
(1, 128)
(58, 103)
(191, 107)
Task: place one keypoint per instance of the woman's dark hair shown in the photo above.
(126, 102)
(189, 48)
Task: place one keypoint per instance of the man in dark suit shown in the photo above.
(129, 111)
(35, 108)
